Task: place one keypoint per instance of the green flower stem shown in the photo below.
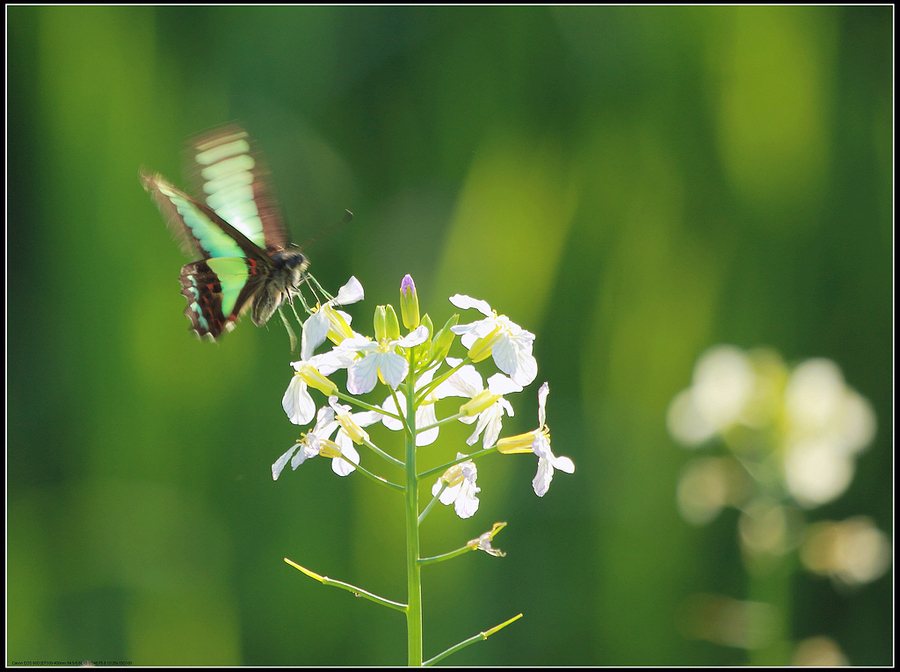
(413, 570)
(481, 636)
(443, 421)
(444, 467)
(383, 455)
(431, 503)
(378, 479)
(367, 406)
(428, 389)
(348, 587)
(447, 556)
(409, 427)
(770, 583)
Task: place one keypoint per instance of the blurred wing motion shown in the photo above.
(246, 257)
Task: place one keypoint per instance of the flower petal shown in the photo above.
(464, 302)
(297, 402)
(448, 496)
(315, 330)
(393, 368)
(466, 502)
(541, 481)
(363, 374)
(543, 393)
(282, 461)
(500, 384)
(563, 463)
(515, 359)
(346, 464)
(416, 337)
(425, 416)
(351, 292)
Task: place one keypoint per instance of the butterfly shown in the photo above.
(236, 227)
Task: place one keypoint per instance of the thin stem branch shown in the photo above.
(447, 556)
(444, 467)
(428, 389)
(383, 455)
(378, 479)
(481, 636)
(348, 587)
(367, 406)
(431, 503)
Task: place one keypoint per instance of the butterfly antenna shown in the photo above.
(309, 279)
(346, 219)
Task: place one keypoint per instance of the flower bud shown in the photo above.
(338, 329)
(409, 303)
(356, 433)
(379, 323)
(440, 344)
(426, 320)
(453, 476)
(391, 324)
(328, 448)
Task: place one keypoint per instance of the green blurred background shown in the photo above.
(633, 185)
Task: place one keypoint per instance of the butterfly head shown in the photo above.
(291, 265)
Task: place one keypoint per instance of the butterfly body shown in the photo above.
(247, 261)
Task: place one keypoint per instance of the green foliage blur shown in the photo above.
(632, 184)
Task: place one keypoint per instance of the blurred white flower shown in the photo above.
(808, 418)
(852, 552)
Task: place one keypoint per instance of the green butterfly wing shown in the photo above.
(228, 170)
(233, 268)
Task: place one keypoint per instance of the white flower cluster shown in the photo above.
(390, 359)
(805, 420)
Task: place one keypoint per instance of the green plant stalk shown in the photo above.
(769, 582)
(413, 570)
